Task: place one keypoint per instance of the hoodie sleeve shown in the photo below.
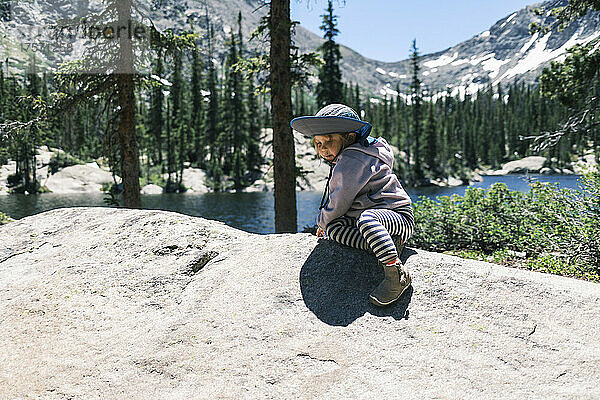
(349, 177)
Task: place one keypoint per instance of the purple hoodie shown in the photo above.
(362, 178)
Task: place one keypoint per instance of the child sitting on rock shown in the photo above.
(366, 208)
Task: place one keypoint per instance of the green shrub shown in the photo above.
(60, 161)
(155, 179)
(499, 222)
(4, 218)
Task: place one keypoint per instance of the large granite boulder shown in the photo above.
(151, 189)
(83, 178)
(527, 164)
(139, 304)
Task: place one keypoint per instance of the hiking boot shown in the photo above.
(396, 281)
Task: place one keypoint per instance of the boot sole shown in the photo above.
(382, 304)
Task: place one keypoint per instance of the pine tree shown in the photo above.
(156, 111)
(254, 158)
(356, 103)
(174, 134)
(214, 163)
(196, 154)
(3, 93)
(330, 88)
(500, 128)
(284, 155)
(236, 109)
(431, 148)
(416, 100)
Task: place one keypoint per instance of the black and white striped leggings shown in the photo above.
(375, 230)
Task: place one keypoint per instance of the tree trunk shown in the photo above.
(130, 168)
(284, 158)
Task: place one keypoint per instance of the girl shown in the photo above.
(366, 208)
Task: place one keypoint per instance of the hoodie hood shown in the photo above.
(380, 149)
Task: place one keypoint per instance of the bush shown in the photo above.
(3, 156)
(4, 218)
(558, 230)
(155, 179)
(174, 187)
(111, 187)
(60, 161)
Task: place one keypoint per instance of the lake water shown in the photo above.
(252, 212)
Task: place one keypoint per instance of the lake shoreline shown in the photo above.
(249, 211)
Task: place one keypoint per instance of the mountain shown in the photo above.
(503, 54)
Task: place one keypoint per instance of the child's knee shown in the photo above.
(365, 217)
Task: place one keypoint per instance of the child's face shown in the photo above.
(328, 146)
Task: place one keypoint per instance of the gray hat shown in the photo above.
(333, 118)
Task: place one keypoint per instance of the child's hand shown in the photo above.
(321, 233)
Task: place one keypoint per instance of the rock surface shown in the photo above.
(152, 189)
(138, 304)
(79, 179)
(585, 164)
(194, 180)
(527, 164)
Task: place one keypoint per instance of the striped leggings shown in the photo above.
(375, 231)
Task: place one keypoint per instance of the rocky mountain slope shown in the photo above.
(138, 304)
(503, 54)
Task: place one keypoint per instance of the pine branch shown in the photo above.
(579, 122)
(62, 105)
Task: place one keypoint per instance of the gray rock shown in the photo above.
(44, 154)
(152, 189)
(530, 164)
(79, 179)
(138, 304)
(585, 164)
(449, 181)
(497, 172)
(194, 180)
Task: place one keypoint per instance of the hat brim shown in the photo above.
(326, 125)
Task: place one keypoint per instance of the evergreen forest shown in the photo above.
(191, 112)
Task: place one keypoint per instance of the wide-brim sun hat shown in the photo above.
(333, 118)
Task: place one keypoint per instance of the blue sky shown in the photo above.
(384, 29)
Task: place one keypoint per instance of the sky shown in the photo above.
(384, 29)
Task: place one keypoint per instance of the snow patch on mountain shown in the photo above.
(440, 62)
(388, 91)
(531, 41)
(508, 20)
(476, 60)
(540, 54)
(504, 54)
(460, 62)
(494, 65)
